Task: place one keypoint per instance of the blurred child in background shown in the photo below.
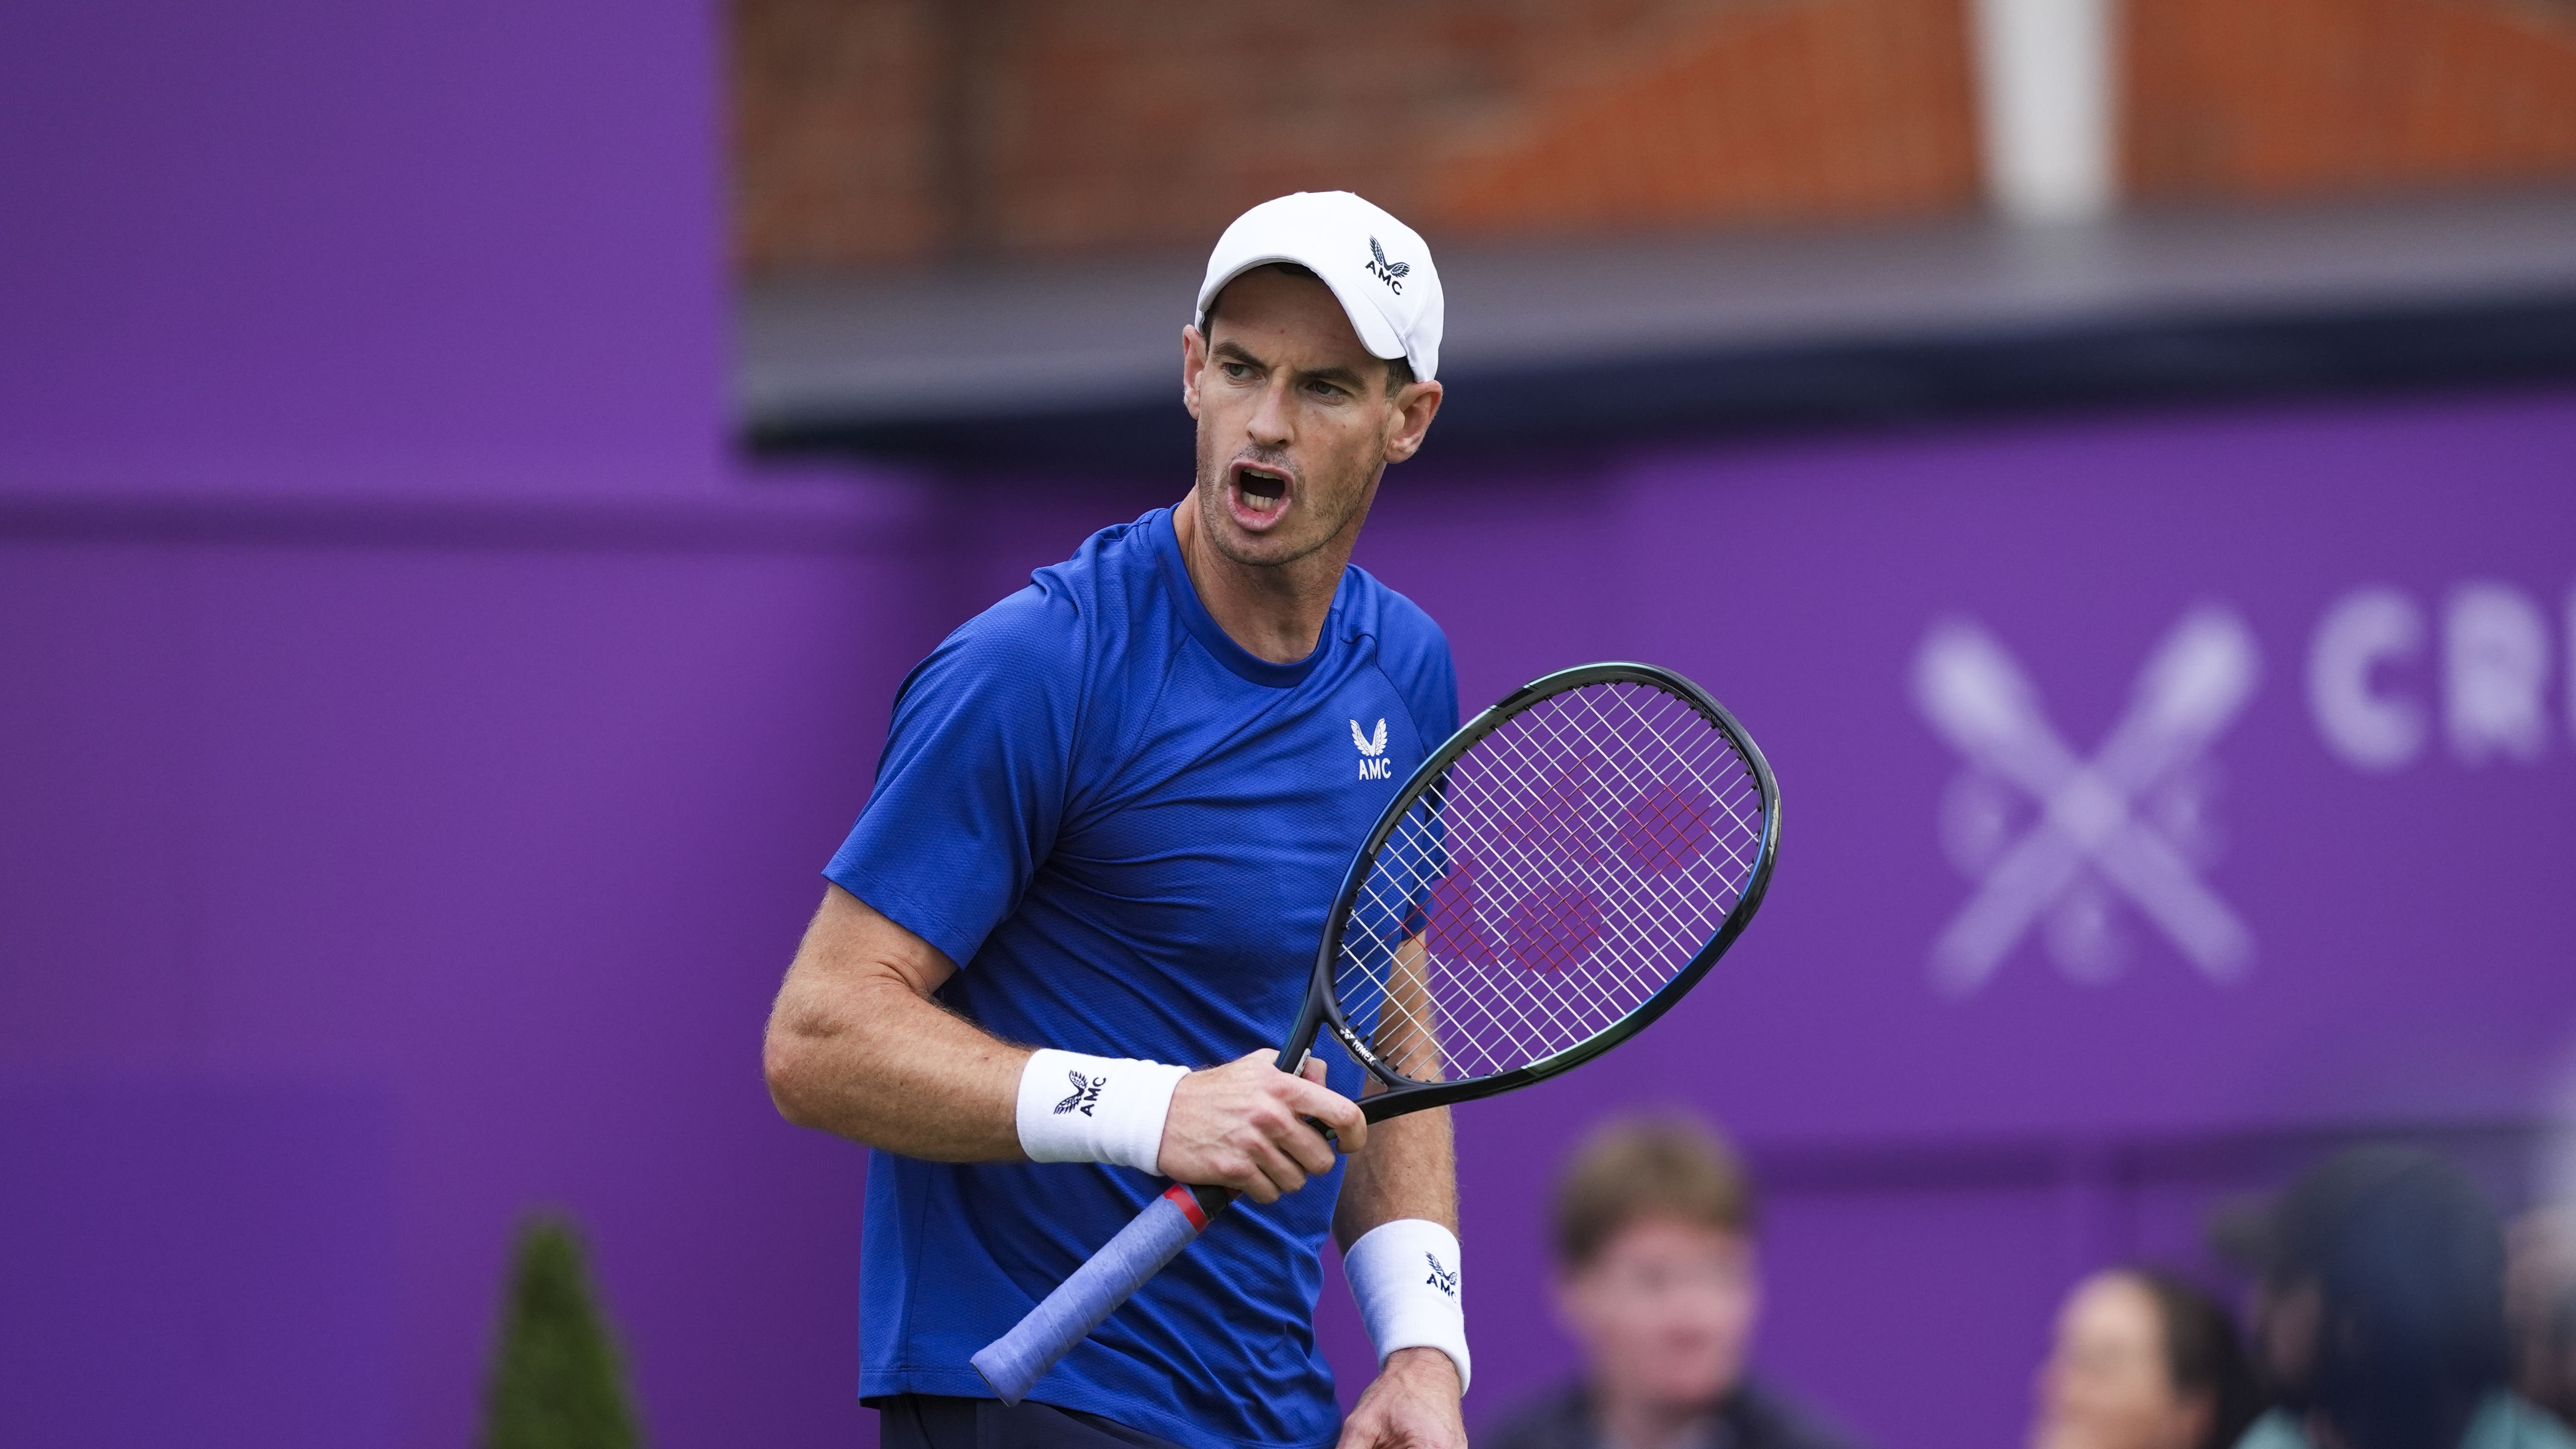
(1657, 1279)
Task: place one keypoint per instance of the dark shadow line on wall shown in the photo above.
(1590, 408)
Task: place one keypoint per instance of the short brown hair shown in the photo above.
(1633, 1168)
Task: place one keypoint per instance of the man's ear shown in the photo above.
(1414, 408)
(1194, 356)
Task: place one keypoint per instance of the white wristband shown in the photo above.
(1405, 1275)
(1076, 1108)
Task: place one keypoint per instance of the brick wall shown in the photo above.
(1829, 108)
(886, 131)
(882, 130)
(2255, 98)
(838, 130)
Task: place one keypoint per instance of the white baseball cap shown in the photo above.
(1376, 265)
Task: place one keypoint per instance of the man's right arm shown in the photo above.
(857, 1047)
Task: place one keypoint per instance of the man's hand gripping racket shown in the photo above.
(1550, 881)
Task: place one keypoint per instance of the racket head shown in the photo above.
(1549, 882)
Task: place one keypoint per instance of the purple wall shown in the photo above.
(417, 745)
(287, 247)
(364, 895)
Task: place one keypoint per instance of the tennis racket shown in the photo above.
(1550, 881)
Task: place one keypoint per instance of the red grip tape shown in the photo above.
(1181, 1197)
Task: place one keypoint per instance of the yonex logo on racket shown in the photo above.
(1444, 1279)
(1086, 1094)
(1391, 273)
(1373, 761)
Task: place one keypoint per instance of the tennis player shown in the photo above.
(1061, 945)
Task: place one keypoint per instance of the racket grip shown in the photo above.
(1015, 1362)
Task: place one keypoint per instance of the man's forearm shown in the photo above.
(1408, 1170)
(901, 1073)
(1410, 1167)
(857, 1048)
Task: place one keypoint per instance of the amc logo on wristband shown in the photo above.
(1086, 1094)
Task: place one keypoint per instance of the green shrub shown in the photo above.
(556, 1380)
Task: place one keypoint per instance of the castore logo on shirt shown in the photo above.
(1373, 760)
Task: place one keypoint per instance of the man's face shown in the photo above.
(1295, 423)
(1665, 1313)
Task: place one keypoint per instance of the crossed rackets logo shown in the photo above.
(1444, 1279)
(2122, 824)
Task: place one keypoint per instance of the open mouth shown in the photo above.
(1259, 494)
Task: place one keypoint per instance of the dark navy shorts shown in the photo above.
(930, 1421)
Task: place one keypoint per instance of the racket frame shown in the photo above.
(1403, 1094)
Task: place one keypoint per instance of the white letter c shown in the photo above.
(2363, 629)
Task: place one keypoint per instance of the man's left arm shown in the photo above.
(1408, 1170)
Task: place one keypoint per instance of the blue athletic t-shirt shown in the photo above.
(1128, 830)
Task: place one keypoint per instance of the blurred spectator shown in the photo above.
(1657, 1279)
(2143, 1360)
(2379, 1311)
(2540, 1307)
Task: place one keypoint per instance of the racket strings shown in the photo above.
(1556, 927)
(1570, 864)
(1558, 1014)
(1565, 1012)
